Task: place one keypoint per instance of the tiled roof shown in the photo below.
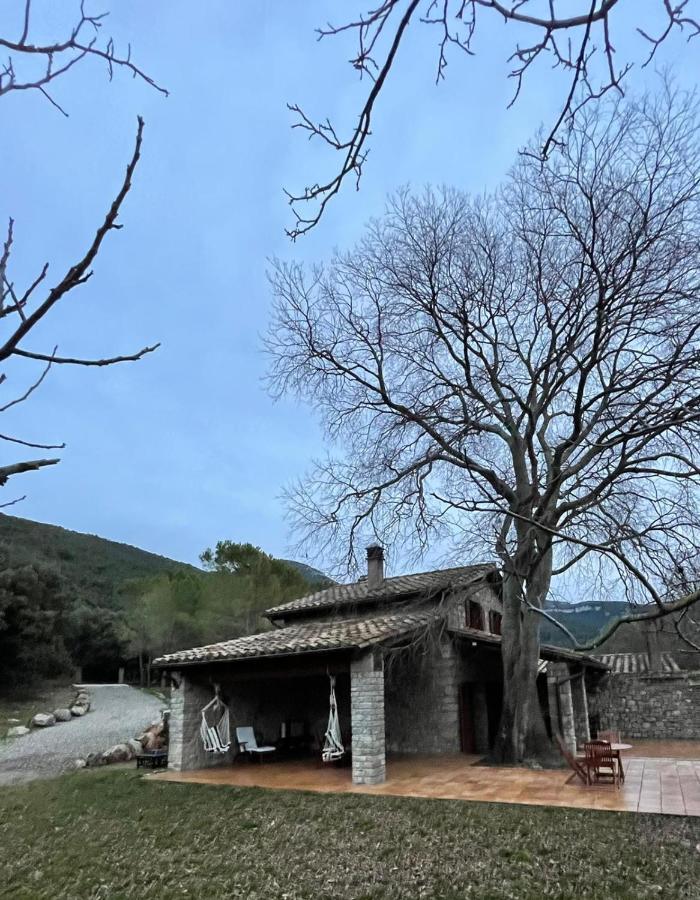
(637, 663)
(548, 652)
(308, 637)
(358, 592)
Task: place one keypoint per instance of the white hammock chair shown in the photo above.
(333, 748)
(215, 727)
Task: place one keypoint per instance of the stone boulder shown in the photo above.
(79, 764)
(118, 753)
(76, 710)
(43, 720)
(135, 746)
(17, 731)
(62, 715)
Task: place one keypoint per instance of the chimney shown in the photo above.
(375, 566)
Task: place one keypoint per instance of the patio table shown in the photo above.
(617, 748)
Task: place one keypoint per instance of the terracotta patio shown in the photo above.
(661, 777)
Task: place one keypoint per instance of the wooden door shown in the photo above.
(466, 719)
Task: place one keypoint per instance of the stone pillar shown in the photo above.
(566, 704)
(580, 702)
(185, 750)
(553, 700)
(481, 718)
(367, 710)
(177, 722)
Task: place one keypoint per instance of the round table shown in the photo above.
(617, 748)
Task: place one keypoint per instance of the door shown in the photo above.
(466, 718)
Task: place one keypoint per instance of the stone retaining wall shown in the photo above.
(656, 707)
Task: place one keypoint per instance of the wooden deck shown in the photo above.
(666, 779)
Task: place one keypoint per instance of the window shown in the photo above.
(495, 619)
(474, 615)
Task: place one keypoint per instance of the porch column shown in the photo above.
(562, 685)
(580, 701)
(367, 711)
(553, 700)
(177, 722)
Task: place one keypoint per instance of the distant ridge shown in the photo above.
(95, 565)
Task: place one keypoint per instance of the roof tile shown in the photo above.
(358, 593)
(308, 637)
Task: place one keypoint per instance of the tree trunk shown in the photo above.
(522, 736)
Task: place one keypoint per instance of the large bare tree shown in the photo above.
(37, 66)
(521, 370)
(576, 38)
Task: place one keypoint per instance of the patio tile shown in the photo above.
(653, 785)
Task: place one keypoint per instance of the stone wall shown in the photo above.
(484, 595)
(185, 750)
(422, 701)
(368, 735)
(656, 707)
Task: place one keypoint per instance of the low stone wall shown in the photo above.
(656, 707)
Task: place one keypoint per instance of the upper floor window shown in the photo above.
(474, 614)
(495, 620)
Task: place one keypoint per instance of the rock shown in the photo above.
(118, 753)
(78, 710)
(93, 759)
(135, 746)
(43, 720)
(79, 764)
(62, 715)
(17, 731)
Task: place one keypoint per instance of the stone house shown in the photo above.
(416, 660)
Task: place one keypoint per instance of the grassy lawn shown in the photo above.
(111, 835)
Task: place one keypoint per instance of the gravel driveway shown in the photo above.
(117, 713)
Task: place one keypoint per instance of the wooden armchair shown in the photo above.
(577, 765)
(602, 761)
(613, 737)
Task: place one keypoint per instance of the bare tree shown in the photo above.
(21, 311)
(30, 66)
(523, 370)
(579, 42)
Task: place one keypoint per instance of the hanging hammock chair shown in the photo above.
(215, 727)
(333, 748)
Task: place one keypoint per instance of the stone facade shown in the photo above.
(367, 705)
(662, 707)
(185, 750)
(568, 704)
(422, 701)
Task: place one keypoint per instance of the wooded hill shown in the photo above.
(72, 600)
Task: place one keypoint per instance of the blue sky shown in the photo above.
(186, 447)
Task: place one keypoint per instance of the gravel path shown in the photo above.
(117, 713)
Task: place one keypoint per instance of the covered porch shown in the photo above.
(661, 778)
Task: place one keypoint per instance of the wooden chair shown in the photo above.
(602, 761)
(576, 764)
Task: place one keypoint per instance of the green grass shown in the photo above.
(114, 835)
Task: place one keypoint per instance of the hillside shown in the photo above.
(94, 565)
(584, 620)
